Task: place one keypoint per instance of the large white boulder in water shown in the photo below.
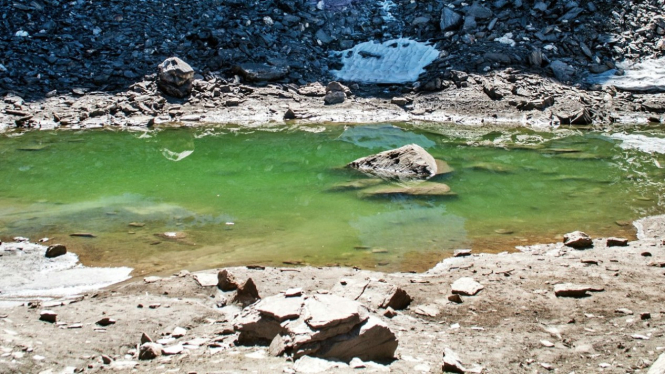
(407, 162)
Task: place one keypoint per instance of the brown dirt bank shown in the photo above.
(516, 324)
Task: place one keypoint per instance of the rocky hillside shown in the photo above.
(59, 45)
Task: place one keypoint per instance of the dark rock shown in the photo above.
(106, 321)
(150, 351)
(478, 11)
(577, 240)
(562, 71)
(452, 362)
(258, 72)
(334, 97)
(247, 293)
(145, 338)
(175, 77)
(226, 281)
(48, 316)
(289, 115)
(449, 19)
(56, 250)
(575, 115)
(617, 242)
(408, 162)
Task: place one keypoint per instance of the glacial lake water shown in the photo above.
(194, 198)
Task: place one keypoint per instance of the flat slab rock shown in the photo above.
(466, 286)
(574, 290)
(658, 367)
(404, 163)
(577, 240)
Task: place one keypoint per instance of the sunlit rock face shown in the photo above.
(394, 61)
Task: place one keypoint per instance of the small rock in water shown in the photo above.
(407, 162)
(466, 286)
(48, 316)
(56, 250)
(577, 240)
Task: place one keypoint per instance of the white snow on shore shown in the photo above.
(28, 273)
(394, 61)
(648, 75)
(640, 142)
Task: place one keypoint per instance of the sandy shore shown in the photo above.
(515, 324)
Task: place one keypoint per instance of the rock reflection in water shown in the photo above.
(383, 136)
(412, 228)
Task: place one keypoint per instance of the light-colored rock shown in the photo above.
(175, 77)
(280, 307)
(577, 240)
(466, 286)
(658, 367)
(307, 364)
(178, 332)
(427, 310)
(452, 362)
(574, 290)
(407, 162)
(373, 294)
(173, 350)
(226, 281)
(206, 280)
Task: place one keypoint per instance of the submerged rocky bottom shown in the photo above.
(167, 199)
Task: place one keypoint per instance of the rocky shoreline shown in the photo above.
(586, 306)
(82, 65)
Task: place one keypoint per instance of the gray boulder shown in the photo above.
(562, 71)
(404, 163)
(256, 72)
(175, 77)
(658, 367)
(149, 351)
(449, 19)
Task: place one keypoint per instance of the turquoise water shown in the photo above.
(176, 198)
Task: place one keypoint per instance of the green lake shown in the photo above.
(194, 198)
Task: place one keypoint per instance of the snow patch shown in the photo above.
(640, 142)
(35, 275)
(394, 61)
(648, 75)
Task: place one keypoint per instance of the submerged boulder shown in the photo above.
(404, 163)
(175, 77)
